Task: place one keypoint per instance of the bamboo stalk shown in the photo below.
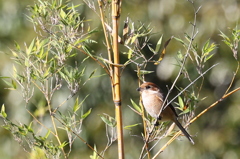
(116, 6)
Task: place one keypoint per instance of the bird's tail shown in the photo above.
(184, 131)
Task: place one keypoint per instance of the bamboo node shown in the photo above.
(117, 103)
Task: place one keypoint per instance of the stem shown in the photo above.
(200, 114)
(105, 33)
(116, 7)
(78, 136)
(146, 137)
(52, 118)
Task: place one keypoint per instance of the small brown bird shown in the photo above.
(152, 99)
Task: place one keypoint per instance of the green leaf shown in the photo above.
(12, 85)
(47, 134)
(62, 14)
(151, 49)
(30, 48)
(180, 40)
(86, 50)
(63, 144)
(110, 122)
(159, 43)
(181, 103)
(225, 37)
(143, 72)
(86, 114)
(136, 107)
(188, 37)
(180, 56)
(208, 57)
(94, 156)
(93, 72)
(130, 51)
(130, 126)
(30, 127)
(17, 46)
(207, 48)
(77, 106)
(185, 111)
(26, 63)
(3, 113)
(134, 38)
(85, 59)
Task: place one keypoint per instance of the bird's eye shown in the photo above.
(147, 87)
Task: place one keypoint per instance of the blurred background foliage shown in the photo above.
(217, 131)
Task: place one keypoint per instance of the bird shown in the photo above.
(152, 99)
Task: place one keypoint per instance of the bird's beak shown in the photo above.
(138, 89)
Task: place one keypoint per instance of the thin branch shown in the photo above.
(77, 136)
(191, 83)
(199, 115)
(95, 59)
(234, 76)
(193, 35)
(147, 140)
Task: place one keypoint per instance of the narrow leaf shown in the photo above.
(130, 51)
(181, 103)
(158, 44)
(110, 122)
(143, 72)
(3, 113)
(86, 114)
(76, 106)
(93, 72)
(163, 52)
(30, 48)
(47, 134)
(63, 144)
(136, 107)
(130, 126)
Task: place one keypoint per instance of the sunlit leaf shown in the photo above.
(30, 48)
(185, 111)
(181, 103)
(62, 14)
(63, 144)
(95, 155)
(159, 43)
(3, 113)
(110, 122)
(143, 72)
(151, 49)
(163, 52)
(47, 134)
(134, 38)
(130, 51)
(131, 126)
(86, 114)
(30, 127)
(78, 105)
(136, 107)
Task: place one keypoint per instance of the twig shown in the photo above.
(193, 35)
(77, 136)
(199, 115)
(234, 76)
(175, 98)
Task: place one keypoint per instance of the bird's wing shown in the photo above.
(170, 105)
